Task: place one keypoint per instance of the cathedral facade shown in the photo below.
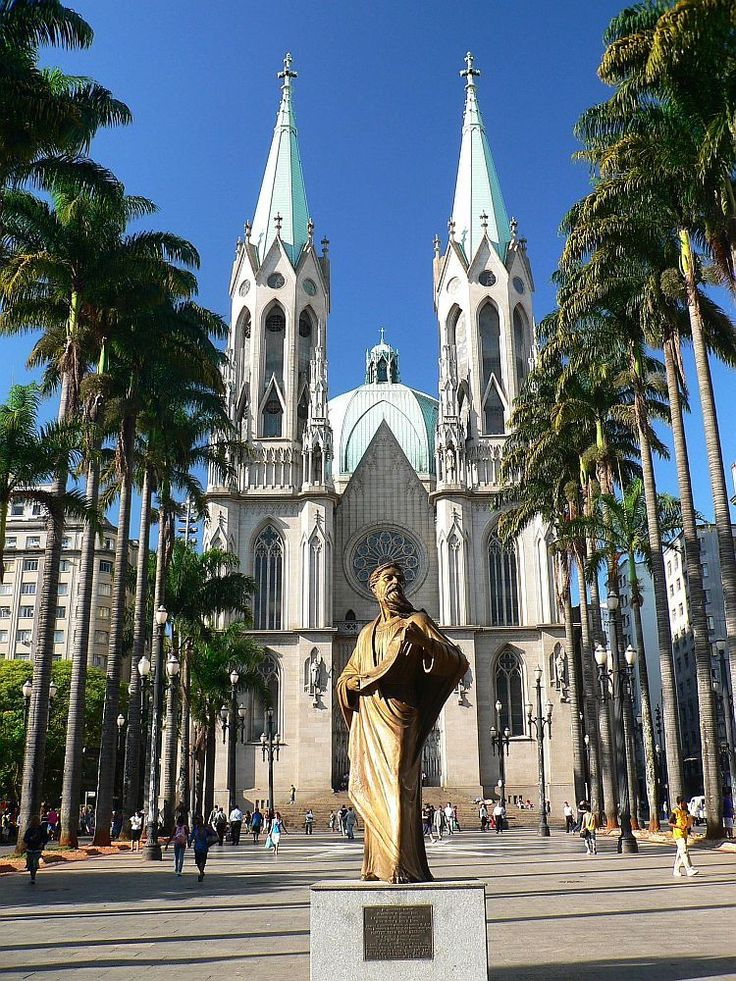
(332, 487)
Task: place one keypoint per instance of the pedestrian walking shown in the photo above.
(136, 831)
(256, 823)
(247, 816)
(236, 824)
(180, 837)
(449, 818)
(499, 816)
(200, 839)
(728, 811)
(52, 823)
(350, 822)
(483, 816)
(292, 794)
(278, 828)
(567, 813)
(341, 820)
(681, 821)
(332, 821)
(587, 831)
(438, 819)
(308, 821)
(35, 840)
(219, 824)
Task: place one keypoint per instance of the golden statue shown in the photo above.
(391, 694)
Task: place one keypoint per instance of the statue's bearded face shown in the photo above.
(388, 588)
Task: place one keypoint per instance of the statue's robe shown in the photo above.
(402, 690)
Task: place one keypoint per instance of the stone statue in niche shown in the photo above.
(314, 680)
(561, 681)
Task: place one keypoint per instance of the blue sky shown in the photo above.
(378, 103)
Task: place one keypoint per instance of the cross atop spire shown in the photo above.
(287, 74)
(478, 208)
(469, 72)
(282, 210)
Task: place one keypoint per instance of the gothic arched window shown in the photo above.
(489, 327)
(275, 334)
(509, 691)
(522, 344)
(503, 583)
(302, 412)
(306, 335)
(269, 572)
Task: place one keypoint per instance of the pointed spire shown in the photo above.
(282, 194)
(478, 207)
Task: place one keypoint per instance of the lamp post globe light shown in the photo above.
(27, 692)
(620, 682)
(539, 723)
(270, 746)
(152, 850)
(500, 741)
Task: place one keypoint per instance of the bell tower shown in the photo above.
(280, 299)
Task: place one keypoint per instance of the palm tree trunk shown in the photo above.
(158, 600)
(132, 773)
(209, 768)
(627, 718)
(575, 689)
(70, 794)
(198, 759)
(597, 726)
(108, 745)
(706, 702)
(183, 782)
(647, 722)
(38, 711)
(673, 745)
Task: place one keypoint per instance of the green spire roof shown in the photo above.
(283, 199)
(478, 206)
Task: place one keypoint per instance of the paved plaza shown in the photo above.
(553, 912)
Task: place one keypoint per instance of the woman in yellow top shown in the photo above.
(681, 822)
(587, 831)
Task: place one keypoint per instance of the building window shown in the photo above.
(17, 508)
(509, 692)
(104, 589)
(269, 670)
(58, 636)
(503, 583)
(9, 565)
(522, 344)
(11, 542)
(30, 565)
(60, 612)
(28, 588)
(103, 612)
(705, 570)
(66, 542)
(101, 636)
(63, 589)
(6, 589)
(105, 565)
(672, 590)
(26, 613)
(109, 544)
(3, 636)
(4, 612)
(23, 636)
(489, 328)
(33, 541)
(65, 565)
(269, 565)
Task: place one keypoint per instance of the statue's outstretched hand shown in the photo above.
(413, 634)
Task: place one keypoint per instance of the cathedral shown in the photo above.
(334, 486)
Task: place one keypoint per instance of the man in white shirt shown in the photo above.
(568, 814)
(449, 818)
(236, 823)
(136, 830)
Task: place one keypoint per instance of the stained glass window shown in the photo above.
(383, 546)
(509, 692)
(503, 583)
(269, 563)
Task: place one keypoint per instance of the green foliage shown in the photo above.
(13, 674)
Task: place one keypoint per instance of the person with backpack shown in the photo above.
(180, 836)
(201, 838)
(587, 831)
(681, 821)
(35, 840)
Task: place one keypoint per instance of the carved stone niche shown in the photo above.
(315, 675)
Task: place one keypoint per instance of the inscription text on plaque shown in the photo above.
(397, 933)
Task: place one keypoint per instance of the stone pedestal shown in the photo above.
(373, 931)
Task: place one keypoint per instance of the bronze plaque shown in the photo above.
(397, 933)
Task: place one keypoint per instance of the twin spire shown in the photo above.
(478, 207)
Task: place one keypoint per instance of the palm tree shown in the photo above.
(217, 652)
(47, 119)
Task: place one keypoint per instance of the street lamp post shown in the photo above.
(233, 723)
(586, 740)
(169, 757)
(539, 723)
(144, 670)
(499, 742)
(270, 746)
(152, 850)
(622, 686)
